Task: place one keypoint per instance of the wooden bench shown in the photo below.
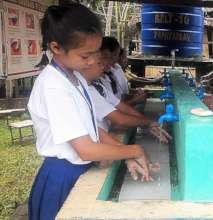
(20, 125)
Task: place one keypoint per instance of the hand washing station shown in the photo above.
(193, 144)
(190, 169)
(191, 151)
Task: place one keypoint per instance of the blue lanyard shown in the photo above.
(85, 96)
(91, 109)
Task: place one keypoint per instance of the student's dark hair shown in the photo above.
(66, 2)
(122, 51)
(65, 24)
(109, 43)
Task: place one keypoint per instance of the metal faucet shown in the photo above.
(169, 116)
(173, 57)
(200, 93)
(192, 83)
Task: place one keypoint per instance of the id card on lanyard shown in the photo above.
(85, 94)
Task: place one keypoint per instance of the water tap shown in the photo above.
(192, 82)
(169, 116)
(200, 93)
(167, 94)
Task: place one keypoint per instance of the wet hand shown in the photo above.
(141, 94)
(154, 167)
(139, 167)
(159, 132)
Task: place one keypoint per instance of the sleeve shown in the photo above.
(63, 115)
(123, 81)
(111, 98)
(126, 86)
(102, 107)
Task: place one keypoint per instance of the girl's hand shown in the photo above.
(141, 92)
(154, 167)
(140, 95)
(139, 166)
(159, 132)
(137, 170)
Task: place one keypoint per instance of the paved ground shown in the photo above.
(20, 213)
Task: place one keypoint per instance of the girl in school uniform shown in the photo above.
(114, 78)
(63, 112)
(110, 49)
(111, 110)
(122, 60)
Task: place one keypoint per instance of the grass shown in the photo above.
(18, 166)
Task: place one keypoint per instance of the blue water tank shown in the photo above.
(172, 27)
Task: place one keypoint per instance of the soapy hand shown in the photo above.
(159, 132)
(137, 168)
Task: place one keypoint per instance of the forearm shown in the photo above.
(132, 101)
(127, 109)
(120, 118)
(91, 151)
(106, 138)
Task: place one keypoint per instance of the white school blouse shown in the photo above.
(102, 108)
(60, 114)
(106, 82)
(121, 80)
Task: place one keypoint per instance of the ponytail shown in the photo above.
(44, 59)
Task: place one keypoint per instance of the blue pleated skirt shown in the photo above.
(51, 187)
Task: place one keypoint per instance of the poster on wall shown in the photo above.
(22, 33)
(1, 54)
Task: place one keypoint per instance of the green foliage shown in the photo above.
(19, 164)
(93, 4)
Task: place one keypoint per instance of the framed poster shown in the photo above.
(1, 38)
(23, 37)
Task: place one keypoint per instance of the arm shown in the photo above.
(135, 168)
(91, 151)
(126, 120)
(124, 108)
(127, 109)
(119, 118)
(138, 97)
(106, 138)
(153, 126)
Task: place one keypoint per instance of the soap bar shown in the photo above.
(201, 112)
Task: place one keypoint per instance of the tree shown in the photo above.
(118, 18)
